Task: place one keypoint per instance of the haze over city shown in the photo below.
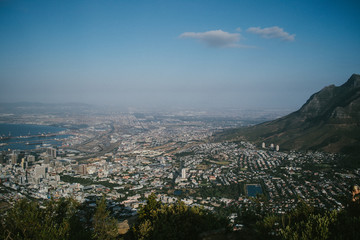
(168, 54)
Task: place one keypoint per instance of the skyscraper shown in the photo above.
(40, 172)
(82, 169)
(183, 173)
(51, 152)
(13, 158)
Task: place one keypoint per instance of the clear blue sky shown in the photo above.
(198, 53)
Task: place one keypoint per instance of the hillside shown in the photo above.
(329, 121)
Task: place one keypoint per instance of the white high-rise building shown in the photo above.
(277, 147)
(183, 173)
(40, 172)
(263, 145)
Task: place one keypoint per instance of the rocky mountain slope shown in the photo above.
(328, 121)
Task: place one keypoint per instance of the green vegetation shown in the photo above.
(218, 162)
(67, 219)
(233, 191)
(305, 222)
(176, 221)
(57, 220)
(184, 154)
(86, 181)
(202, 167)
(104, 226)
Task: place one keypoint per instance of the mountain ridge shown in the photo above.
(328, 121)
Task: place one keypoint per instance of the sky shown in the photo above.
(168, 54)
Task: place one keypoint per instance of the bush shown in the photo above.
(175, 221)
(57, 220)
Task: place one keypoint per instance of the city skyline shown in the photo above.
(166, 54)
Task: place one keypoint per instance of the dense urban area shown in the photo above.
(127, 157)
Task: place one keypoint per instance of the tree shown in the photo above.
(56, 220)
(305, 222)
(314, 227)
(175, 221)
(104, 226)
(23, 221)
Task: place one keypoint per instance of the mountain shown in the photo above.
(44, 108)
(329, 121)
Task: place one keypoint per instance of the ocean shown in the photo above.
(27, 136)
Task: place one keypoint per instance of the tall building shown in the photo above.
(277, 147)
(82, 169)
(40, 172)
(183, 173)
(23, 179)
(263, 145)
(51, 152)
(47, 159)
(31, 158)
(13, 158)
(23, 163)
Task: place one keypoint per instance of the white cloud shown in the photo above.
(272, 32)
(216, 38)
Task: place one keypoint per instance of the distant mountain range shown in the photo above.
(329, 121)
(44, 108)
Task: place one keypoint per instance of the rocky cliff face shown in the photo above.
(334, 103)
(328, 121)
